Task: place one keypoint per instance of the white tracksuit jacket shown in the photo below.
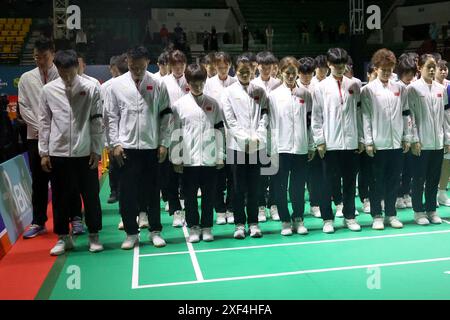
(138, 117)
(431, 122)
(289, 120)
(195, 142)
(70, 119)
(245, 115)
(385, 112)
(336, 115)
(30, 89)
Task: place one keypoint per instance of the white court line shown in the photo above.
(3, 233)
(135, 273)
(302, 243)
(281, 274)
(198, 271)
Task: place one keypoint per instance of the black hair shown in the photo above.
(243, 58)
(81, 56)
(350, 61)
(138, 52)
(265, 58)
(120, 62)
(437, 56)
(321, 61)
(66, 59)
(209, 58)
(406, 65)
(177, 56)
(307, 65)
(337, 56)
(163, 58)
(225, 57)
(195, 72)
(44, 44)
(423, 59)
(250, 55)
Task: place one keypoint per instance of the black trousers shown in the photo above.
(406, 176)
(267, 199)
(427, 171)
(293, 172)
(71, 177)
(139, 176)
(114, 175)
(205, 179)
(163, 177)
(174, 190)
(315, 180)
(40, 180)
(339, 163)
(246, 176)
(364, 176)
(386, 169)
(224, 183)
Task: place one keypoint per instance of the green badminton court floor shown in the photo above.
(409, 263)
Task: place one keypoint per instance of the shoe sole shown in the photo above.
(221, 222)
(57, 254)
(256, 236)
(95, 251)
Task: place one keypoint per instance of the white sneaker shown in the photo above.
(221, 218)
(395, 223)
(352, 224)
(400, 203)
(262, 214)
(207, 234)
(274, 213)
(178, 219)
(143, 220)
(130, 242)
(255, 231)
(286, 229)
(378, 223)
(407, 200)
(421, 218)
(166, 207)
(230, 217)
(94, 243)
(328, 226)
(194, 234)
(299, 226)
(315, 211)
(339, 208)
(443, 199)
(157, 240)
(366, 205)
(434, 217)
(239, 232)
(120, 225)
(382, 205)
(64, 243)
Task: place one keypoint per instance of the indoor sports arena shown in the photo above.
(230, 150)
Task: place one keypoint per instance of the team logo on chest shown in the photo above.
(82, 93)
(301, 100)
(149, 88)
(350, 91)
(397, 94)
(187, 89)
(439, 95)
(209, 108)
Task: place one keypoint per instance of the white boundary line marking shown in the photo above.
(301, 243)
(3, 233)
(135, 273)
(198, 271)
(281, 274)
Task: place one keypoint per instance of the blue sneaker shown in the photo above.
(77, 226)
(34, 231)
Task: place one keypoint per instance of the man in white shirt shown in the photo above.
(214, 88)
(177, 87)
(139, 113)
(338, 136)
(70, 146)
(30, 88)
(265, 62)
